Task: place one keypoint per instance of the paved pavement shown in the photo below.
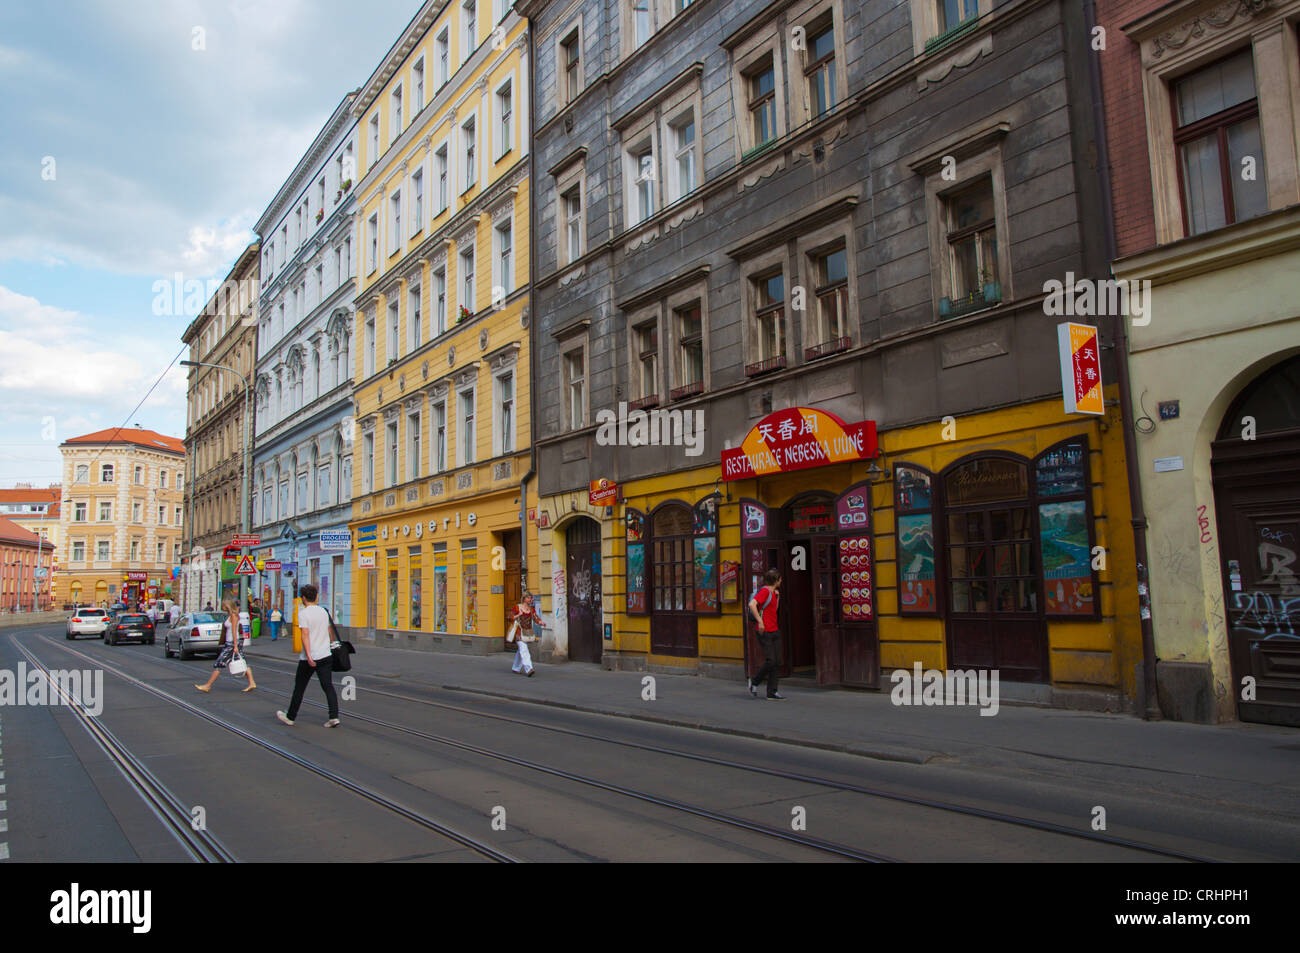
(1253, 768)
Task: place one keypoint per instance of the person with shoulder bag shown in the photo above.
(229, 651)
(315, 626)
(763, 610)
(523, 618)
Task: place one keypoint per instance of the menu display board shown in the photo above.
(856, 596)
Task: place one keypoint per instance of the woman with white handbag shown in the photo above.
(229, 650)
(524, 616)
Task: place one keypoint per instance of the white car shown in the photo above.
(87, 622)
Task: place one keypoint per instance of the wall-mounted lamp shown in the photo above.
(879, 469)
(716, 492)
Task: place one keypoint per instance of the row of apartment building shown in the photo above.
(626, 303)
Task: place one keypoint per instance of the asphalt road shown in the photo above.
(424, 774)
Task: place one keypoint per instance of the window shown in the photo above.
(417, 73)
(504, 437)
(573, 223)
(162, 516)
(374, 142)
(972, 253)
(768, 292)
(443, 45)
(471, 163)
(641, 172)
(395, 223)
(79, 551)
(505, 259)
(467, 280)
(571, 65)
(469, 572)
(135, 512)
(762, 102)
(395, 105)
(642, 21)
(372, 243)
(439, 461)
(683, 140)
(106, 473)
(467, 435)
(83, 473)
(1217, 116)
(79, 512)
(413, 445)
(177, 520)
(416, 571)
(830, 322)
(101, 549)
(139, 476)
(821, 70)
(505, 141)
(646, 343)
(440, 301)
(417, 210)
(690, 351)
(105, 511)
(390, 448)
(413, 318)
(953, 13)
(469, 13)
(440, 167)
(575, 382)
(370, 346)
(392, 352)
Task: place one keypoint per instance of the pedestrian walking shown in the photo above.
(523, 618)
(317, 634)
(174, 613)
(229, 648)
(763, 607)
(276, 619)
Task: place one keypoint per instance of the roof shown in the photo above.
(18, 495)
(11, 532)
(149, 439)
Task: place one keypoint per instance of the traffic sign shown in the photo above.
(250, 540)
(245, 567)
(271, 565)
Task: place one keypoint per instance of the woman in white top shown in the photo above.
(228, 647)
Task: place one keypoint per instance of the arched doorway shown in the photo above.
(583, 589)
(101, 591)
(76, 592)
(995, 619)
(1255, 462)
(672, 582)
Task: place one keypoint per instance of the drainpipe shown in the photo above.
(532, 317)
(1119, 332)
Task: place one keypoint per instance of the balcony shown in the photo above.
(833, 346)
(978, 300)
(645, 402)
(765, 367)
(686, 390)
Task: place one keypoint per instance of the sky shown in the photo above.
(139, 140)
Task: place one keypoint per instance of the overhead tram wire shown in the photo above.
(170, 365)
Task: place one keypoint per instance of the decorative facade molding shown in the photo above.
(1195, 29)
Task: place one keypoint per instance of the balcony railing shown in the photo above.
(651, 401)
(764, 367)
(686, 390)
(978, 300)
(833, 346)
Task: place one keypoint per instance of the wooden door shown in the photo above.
(582, 541)
(995, 622)
(759, 557)
(825, 608)
(672, 595)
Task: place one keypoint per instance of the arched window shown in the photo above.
(1269, 404)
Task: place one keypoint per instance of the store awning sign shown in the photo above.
(798, 438)
(1080, 368)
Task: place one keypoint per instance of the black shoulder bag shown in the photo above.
(341, 650)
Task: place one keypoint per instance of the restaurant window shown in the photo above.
(918, 592)
(1061, 481)
(673, 563)
(469, 575)
(989, 538)
(1218, 133)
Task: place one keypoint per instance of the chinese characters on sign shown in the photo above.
(1080, 368)
(798, 438)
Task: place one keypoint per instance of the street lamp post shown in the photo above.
(245, 504)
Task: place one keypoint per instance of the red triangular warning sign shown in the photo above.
(245, 567)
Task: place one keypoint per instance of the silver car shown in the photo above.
(194, 632)
(87, 622)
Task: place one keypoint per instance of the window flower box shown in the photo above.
(464, 315)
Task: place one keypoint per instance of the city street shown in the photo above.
(493, 768)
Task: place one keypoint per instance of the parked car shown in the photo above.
(87, 622)
(194, 632)
(130, 625)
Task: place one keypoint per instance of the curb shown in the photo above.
(877, 752)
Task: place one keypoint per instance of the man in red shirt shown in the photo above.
(763, 609)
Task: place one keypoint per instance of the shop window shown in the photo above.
(416, 567)
(673, 553)
(989, 538)
(1217, 129)
(1065, 530)
(636, 569)
(918, 592)
(469, 575)
(440, 587)
(392, 589)
(705, 556)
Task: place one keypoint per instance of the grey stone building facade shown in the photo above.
(840, 212)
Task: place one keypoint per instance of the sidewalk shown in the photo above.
(1255, 765)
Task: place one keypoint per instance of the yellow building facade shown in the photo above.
(441, 479)
(1031, 464)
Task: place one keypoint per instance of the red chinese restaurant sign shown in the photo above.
(1080, 368)
(798, 438)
